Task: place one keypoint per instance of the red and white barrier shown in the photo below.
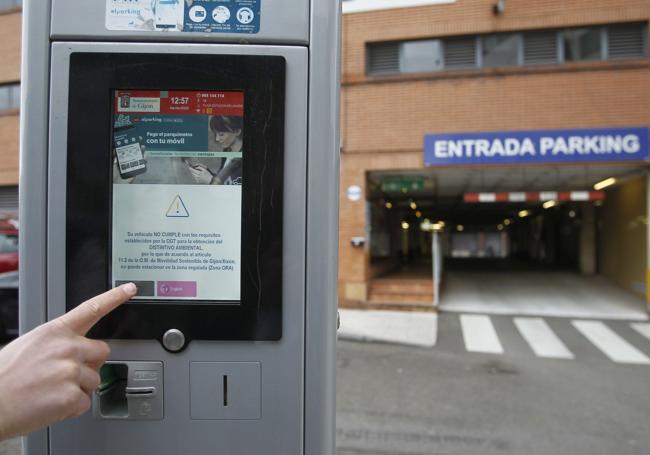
(536, 196)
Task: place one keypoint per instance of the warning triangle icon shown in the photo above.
(177, 209)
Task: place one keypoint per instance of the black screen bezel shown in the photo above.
(93, 79)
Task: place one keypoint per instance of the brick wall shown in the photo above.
(10, 30)
(473, 17)
(9, 127)
(384, 119)
(394, 116)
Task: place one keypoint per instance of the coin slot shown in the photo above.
(225, 390)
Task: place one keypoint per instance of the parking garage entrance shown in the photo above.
(510, 240)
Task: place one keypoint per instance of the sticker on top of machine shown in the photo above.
(199, 16)
(210, 16)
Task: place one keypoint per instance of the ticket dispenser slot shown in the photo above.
(130, 391)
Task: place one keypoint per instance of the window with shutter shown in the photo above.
(8, 199)
(500, 50)
(626, 41)
(9, 96)
(383, 58)
(460, 52)
(540, 47)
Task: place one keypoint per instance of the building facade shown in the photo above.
(10, 37)
(415, 68)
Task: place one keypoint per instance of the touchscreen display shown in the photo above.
(177, 192)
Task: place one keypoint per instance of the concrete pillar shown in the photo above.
(588, 240)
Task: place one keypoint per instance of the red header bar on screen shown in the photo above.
(184, 102)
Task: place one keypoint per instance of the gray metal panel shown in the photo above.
(322, 228)
(282, 22)
(33, 177)
(280, 431)
(238, 390)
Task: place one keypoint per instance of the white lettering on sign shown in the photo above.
(484, 148)
(516, 147)
(590, 145)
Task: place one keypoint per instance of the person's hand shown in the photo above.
(201, 174)
(48, 374)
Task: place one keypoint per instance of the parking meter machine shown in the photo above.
(190, 147)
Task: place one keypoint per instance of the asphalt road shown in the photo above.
(402, 400)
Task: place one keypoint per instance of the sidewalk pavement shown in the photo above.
(401, 327)
(10, 447)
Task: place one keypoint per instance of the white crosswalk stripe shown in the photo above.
(610, 343)
(642, 327)
(541, 338)
(479, 334)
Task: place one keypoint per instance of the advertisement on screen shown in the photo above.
(177, 192)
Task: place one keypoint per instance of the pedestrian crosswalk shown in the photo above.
(624, 343)
(479, 334)
(541, 338)
(643, 328)
(610, 343)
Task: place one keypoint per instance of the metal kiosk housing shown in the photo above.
(281, 383)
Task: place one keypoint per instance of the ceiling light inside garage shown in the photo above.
(604, 183)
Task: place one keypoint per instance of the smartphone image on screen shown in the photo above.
(167, 14)
(130, 160)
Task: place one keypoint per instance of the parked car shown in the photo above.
(8, 246)
(8, 279)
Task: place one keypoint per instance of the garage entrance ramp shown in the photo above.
(539, 293)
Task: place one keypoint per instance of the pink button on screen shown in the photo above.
(176, 289)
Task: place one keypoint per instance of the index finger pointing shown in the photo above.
(82, 318)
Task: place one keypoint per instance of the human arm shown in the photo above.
(49, 374)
